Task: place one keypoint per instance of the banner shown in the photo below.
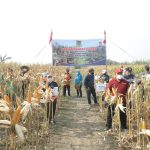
(79, 52)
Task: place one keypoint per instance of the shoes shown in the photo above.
(124, 127)
(96, 104)
(89, 106)
(53, 122)
(107, 128)
(124, 130)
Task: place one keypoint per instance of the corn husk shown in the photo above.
(121, 107)
(4, 108)
(5, 123)
(19, 132)
(146, 132)
(25, 110)
(113, 99)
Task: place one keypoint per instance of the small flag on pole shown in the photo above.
(50, 40)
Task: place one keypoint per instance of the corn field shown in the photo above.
(23, 108)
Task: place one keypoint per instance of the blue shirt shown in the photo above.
(78, 78)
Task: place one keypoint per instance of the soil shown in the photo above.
(79, 127)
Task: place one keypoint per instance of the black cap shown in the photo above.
(24, 68)
(147, 67)
(129, 69)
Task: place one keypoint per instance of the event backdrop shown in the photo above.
(79, 52)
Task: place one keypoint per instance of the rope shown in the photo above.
(123, 50)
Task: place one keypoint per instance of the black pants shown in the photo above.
(79, 92)
(90, 91)
(111, 112)
(66, 87)
(49, 110)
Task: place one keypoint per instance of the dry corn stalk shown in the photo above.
(29, 96)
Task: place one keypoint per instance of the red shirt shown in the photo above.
(122, 86)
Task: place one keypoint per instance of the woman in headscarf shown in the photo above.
(78, 83)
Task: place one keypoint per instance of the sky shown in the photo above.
(25, 27)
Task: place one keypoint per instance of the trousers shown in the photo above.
(89, 92)
(110, 114)
(49, 110)
(66, 87)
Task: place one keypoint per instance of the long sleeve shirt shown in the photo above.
(89, 81)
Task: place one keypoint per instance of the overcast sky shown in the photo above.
(25, 26)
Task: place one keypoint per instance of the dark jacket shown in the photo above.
(89, 81)
(104, 78)
(52, 84)
(129, 78)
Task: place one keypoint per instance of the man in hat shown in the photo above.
(147, 71)
(23, 70)
(89, 86)
(24, 77)
(128, 74)
(121, 86)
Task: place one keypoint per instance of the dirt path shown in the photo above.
(79, 128)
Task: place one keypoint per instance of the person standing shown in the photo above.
(147, 69)
(51, 106)
(121, 85)
(66, 82)
(78, 84)
(24, 77)
(128, 74)
(89, 86)
(104, 77)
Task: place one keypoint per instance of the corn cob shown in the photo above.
(7, 99)
(29, 96)
(16, 116)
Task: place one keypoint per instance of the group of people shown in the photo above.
(78, 79)
(66, 81)
(121, 82)
(19, 85)
(123, 79)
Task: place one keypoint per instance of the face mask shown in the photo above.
(50, 80)
(119, 77)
